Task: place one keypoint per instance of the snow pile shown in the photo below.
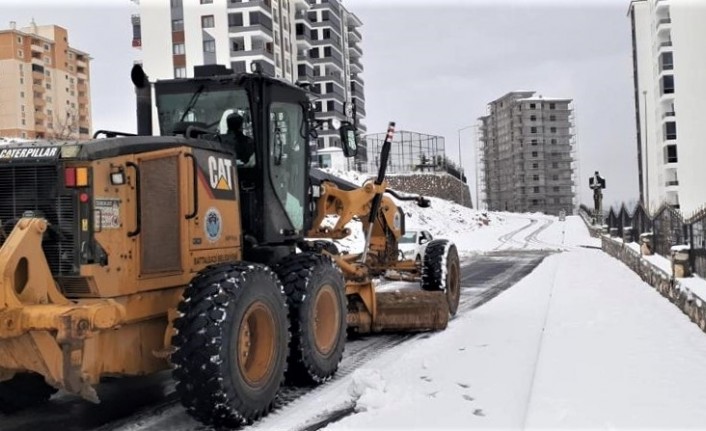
(368, 390)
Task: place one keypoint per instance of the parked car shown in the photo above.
(413, 243)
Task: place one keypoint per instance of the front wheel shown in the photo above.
(231, 344)
(442, 271)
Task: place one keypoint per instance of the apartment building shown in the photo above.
(313, 41)
(45, 85)
(526, 153)
(669, 40)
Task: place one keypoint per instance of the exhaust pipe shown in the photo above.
(143, 93)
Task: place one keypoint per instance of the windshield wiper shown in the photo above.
(192, 101)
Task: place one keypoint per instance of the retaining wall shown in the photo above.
(442, 186)
(671, 288)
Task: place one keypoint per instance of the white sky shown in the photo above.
(432, 66)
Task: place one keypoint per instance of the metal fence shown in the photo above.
(668, 228)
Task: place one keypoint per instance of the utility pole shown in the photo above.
(460, 163)
(647, 164)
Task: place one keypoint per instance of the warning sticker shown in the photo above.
(107, 213)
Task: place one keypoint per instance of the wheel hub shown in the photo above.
(326, 319)
(256, 344)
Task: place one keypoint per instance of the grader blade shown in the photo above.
(411, 311)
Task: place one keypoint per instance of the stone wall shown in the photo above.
(442, 186)
(664, 283)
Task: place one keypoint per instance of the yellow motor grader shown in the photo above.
(130, 254)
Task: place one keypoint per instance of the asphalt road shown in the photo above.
(149, 403)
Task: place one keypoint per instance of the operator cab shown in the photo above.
(266, 125)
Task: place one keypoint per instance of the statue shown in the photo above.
(597, 184)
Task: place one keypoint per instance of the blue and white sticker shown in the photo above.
(213, 225)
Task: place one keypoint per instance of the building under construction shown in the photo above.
(527, 154)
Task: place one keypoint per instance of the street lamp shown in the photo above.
(460, 163)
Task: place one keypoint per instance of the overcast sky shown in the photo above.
(432, 66)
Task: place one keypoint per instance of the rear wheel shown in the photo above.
(24, 391)
(442, 271)
(231, 344)
(316, 298)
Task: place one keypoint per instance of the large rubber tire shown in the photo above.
(316, 298)
(24, 391)
(442, 271)
(231, 344)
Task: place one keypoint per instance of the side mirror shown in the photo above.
(349, 139)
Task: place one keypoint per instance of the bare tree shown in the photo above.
(65, 125)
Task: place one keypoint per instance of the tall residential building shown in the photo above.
(45, 85)
(314, 41)
(526, 150)
(669, 41)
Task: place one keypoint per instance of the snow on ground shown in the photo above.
(581, 342)
(475, 231)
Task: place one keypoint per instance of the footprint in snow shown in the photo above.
(461, 349)
(469, 398)
(478, 412)
(464, 385)
(426, 378)
(432, 394)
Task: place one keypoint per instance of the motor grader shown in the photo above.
(129, 254)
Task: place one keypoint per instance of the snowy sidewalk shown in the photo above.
(581, 342)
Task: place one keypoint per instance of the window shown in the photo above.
(329, 87)
(553, 141)
(666, 61)
(20, 53)
(533, 130)
(314, 53)
(178, 49)
(177, 25)
(209, 46)
(536, 189)
(534, 154)
(330, 106)
(301, 69)
(556, 189)
(668, 84)
(552, 129)
(535, 165)
(670, 154)
(552, 106)
(532, 106)
(327, 51)
(19, 39)
(286, 142)
(534, 142)
(670, 130)
(22, 94)
(207, 21)
(180, 72)
(235, 20)
(555, 177)
(533, 118)
(324, 15)
(552, 118)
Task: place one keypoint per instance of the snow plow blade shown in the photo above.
(410, 311)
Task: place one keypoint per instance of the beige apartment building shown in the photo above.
(44, 85)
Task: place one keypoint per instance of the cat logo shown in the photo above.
(220, 172)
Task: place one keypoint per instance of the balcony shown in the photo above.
(356, 67)
(265, 5)
(354, 50)
(354, 35)
(668, 114)
(39, 88)
(664, 24)
(39, 101)
(301, 5)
